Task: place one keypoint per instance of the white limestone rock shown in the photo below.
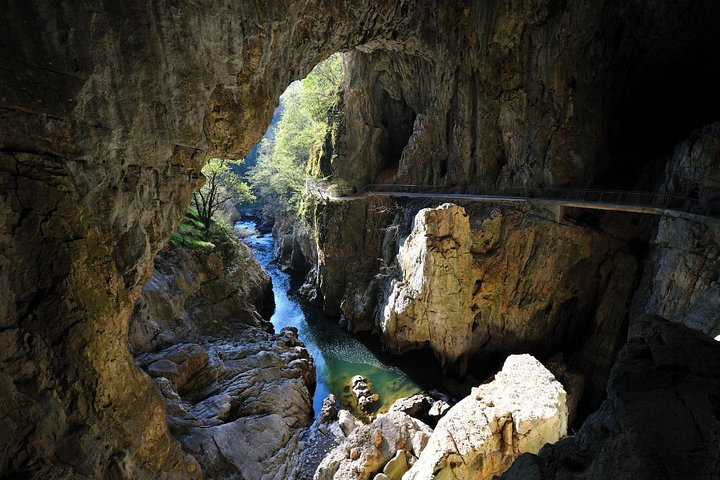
(520, 411)
(370, 447)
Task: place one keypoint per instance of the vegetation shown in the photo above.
(193, 235)
(279, 176)
(222, 185)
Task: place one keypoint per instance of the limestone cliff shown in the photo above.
(535, 93)
(430, 304)
(486, 280)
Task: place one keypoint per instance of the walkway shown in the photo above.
(610, 200)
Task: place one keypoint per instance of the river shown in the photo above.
(338, 355)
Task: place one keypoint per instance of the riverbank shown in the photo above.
(338, 355)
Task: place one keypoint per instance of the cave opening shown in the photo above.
(106, 131)
(661, 102)
(397, 119)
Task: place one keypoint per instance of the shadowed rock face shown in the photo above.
(660, 416)
(533, 93)
(108, 109)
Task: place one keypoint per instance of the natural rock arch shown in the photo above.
(108, 109)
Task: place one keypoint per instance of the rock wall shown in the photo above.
(540, 93)
(237, 395)
(481, 282)
(693, 169)
(680, 279)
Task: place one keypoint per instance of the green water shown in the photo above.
(387, 384)
(338, 355)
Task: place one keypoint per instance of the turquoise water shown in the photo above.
(338, 355)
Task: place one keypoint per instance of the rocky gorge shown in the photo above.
(109, 109)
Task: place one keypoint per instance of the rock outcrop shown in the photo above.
(240, 407)
(521, 410)
(193, 295)
(370, 447)
(660, 419)
(237, 395)
(430, 305)
(362, 391)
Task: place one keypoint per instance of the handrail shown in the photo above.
(621, 198)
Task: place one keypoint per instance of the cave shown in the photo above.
(109, 109)
(664, 93)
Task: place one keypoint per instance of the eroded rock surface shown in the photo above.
(194, 295)
(244, 411)
(370, 447)
(237, 395)
(430, 305)
(521, 410)
(681, 279)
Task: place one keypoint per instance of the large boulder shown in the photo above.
(520, 411)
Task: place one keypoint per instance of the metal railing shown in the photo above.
(607, 198)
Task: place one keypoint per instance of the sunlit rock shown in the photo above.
(370, 447)
(520, 411)
(430, 305)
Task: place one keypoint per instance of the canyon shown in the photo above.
(108, 110)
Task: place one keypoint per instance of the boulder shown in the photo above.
(422, 406)
(520, 411)
(370, 447)
(362, 390)
(347, 422)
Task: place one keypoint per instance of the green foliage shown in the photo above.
(191, 234)
(222, 185)
(279, 175)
